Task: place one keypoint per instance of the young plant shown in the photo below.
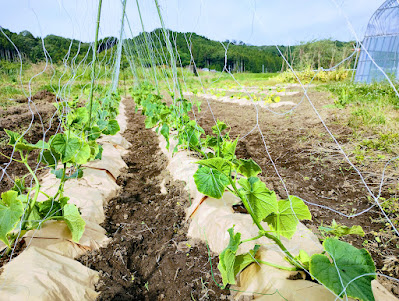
(341, 267)
(19, 209)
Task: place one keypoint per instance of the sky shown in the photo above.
(256, 22)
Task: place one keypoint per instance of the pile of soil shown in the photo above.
(150, 256)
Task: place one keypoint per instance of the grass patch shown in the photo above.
(348, 92)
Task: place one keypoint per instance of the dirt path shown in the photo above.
(150, 257)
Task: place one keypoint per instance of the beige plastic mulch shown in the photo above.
(249, 102)
(46, 269)
(210, 220)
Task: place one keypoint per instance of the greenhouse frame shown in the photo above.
(381, 44)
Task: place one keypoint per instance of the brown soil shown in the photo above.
(312, 167)
(19, 119)
(150, 257)
(37, 119)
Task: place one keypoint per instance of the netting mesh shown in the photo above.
(156, 58)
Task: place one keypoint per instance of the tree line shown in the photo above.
(188, 47)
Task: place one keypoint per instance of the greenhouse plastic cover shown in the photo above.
(382, 44)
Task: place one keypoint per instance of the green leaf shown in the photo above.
(290, 212)
(78, 117)
(102, 124)
(249, 168)
(49, 208)
(220, 164)
(83, 154)
(150, 122)
(66, 147)
(49, 158)
(228, 149)
(211, 141)
(11, 210)
(261, 200)
(344, 264)
(303, 258)
(94, 148)
(219, 127)
(112, 127)
(59, 172)
(75, 222)
(77, 174)
(244, 260)
(94, 133)
(210, 182)
(165, 133)
(192, 136)
(34, 219)
(19, 185)
(227, 258)
(42, 145)
(342, 230)
(100, 152)
(14, 137)
(82, 115)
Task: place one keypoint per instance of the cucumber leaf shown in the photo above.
(219, 127)
(341, 230)
(220, 164)
(93, 133)
(165, 133)
(249, 168)
(338, 270)
(303, 258)
(67, 148)
(290, 212)
(227, 258)
(244, 260)
(112, 127)
(49, 158)
(210, 182)
(19, 185)
(99, 153)
(14, 137)
(228, 149)
(75, 222)
(262, 201)
(25, 146)
(83, 154)
(11, 210)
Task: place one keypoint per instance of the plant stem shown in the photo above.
(278, 266)
(148, 47)
(61, 186)
(290, 257)
(197, 150)
(251, 239)
(93, 62)
(10, 158)
(263, 232)
(37, 190)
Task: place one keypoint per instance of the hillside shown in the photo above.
(206, 53)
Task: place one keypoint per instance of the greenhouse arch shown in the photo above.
(382, 44)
